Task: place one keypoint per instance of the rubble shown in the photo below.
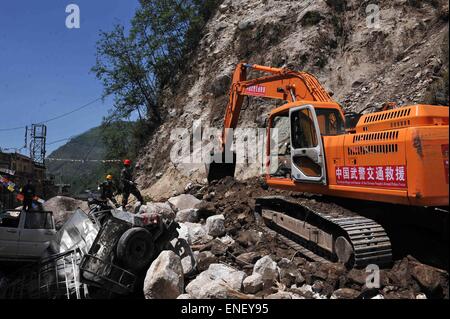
(268, 269)
(183, 201)
(163, 209)
(215, 225)
(253, 283)
(187, 215)
(217, 282)
(194, 233)
(164, 279)
(345, 293)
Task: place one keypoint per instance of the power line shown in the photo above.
(57, 117)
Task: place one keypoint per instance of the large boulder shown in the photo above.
(164, 279)
(183, 201)
(162, 209)
(252, 284)
(193, 233)
(426, 276)
(63, 207)
(218, 282)
(215, 225)
(187, 215)
(268, 269)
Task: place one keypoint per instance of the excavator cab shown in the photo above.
(304, 124)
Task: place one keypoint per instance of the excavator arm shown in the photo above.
(280, 84)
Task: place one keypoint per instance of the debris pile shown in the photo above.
(235, 258)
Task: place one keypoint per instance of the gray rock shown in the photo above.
(216, 282)
(244, 25)
(218, 247)
(252, 284)
(345, 293)
(268, 269)
(164, 279)
(215, 225)
(426, 276)
(204, 259)
(162, 209)
(183, 201)
(223, 8)
(193, 233)
(187, 215)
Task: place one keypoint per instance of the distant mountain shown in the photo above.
(87, 146)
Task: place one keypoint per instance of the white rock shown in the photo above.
(184, 296)
(421, 296)
(215, 225)
(379, 296)
(268, 269)
(183, 201)
(216, 282)
(227, 240)
(187, 215)
(223, 8)
(163, 209)
(252, 284)
(164, 279)
(193, 233)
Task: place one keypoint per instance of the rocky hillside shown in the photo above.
(404, 59)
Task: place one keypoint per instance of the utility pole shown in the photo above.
(37, 144)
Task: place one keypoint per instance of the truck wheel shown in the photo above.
(135, 248)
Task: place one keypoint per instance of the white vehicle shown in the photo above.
(25, 235)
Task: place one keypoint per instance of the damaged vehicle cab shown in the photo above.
(25, 236)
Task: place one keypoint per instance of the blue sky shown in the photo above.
(45, 67)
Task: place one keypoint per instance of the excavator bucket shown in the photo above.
(217, 171)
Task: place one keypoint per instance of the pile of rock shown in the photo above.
(233, 259)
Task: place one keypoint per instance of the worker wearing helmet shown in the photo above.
(108, 189)
(129, 186)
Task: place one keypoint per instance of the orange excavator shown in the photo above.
(393, 159)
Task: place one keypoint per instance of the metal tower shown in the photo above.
(37, 144)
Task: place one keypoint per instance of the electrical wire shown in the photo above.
(59, 116)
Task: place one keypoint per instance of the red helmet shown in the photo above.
(127, 162)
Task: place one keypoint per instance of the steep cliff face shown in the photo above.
(365, 52)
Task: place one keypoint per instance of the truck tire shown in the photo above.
(135, 249)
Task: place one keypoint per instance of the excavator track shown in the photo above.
(326, 230)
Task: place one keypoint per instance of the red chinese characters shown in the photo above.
(393, 176)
